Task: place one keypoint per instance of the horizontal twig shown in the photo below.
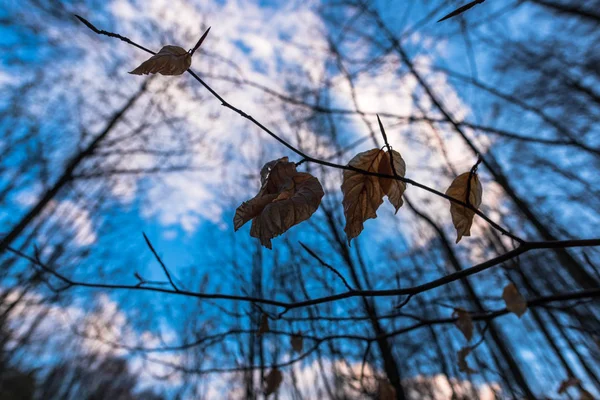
(413, 290)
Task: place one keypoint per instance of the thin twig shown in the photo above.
(160, 261)
(215, 338)
(387, 145)
(305, 157)
(472, 172)
(461, 10)
(192, 51)
(323, 263)
(413, 290)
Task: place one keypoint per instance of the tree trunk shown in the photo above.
(67, 175)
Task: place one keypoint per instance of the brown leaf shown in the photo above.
(286, 198)
(567, 383)
(462, 217)
(585, 395)
(463, 366)
(391, 187)
(274, 173)
(464, 323)
(515, 302)
(362, 193)
(273, 381)
(297, 342)
(386, 390)
(264, 324)
(170, 60)
(250, 209)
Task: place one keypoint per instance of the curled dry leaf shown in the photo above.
(462, 217)
(170, 60)
(363, 194)
(272, 381)
(297, 342)
(286, 198)
(464, 322)
(463, 365)
(393, 188)
(515, 302)
(264, 324)
(386, 390)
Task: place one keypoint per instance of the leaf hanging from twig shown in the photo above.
(297, 342)
(393, 188)
(464, 322)
(363, 194)
(462, 217)
(273, 381)
(463, 365)
(286, 198)
(170, 60)
(515, 302)
(461, 10)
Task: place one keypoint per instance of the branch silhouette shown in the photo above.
(409, 291)
(305, 157)
(523, 246)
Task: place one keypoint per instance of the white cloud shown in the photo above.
(66, 214)
(5, 78)
(186, 199)
(309, 381)
(81, 221)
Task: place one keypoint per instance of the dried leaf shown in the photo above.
(286, 198)
(464, 323)
(264, 324)
(393, 188)
(585, 395)
(297, 342)
(463, 366)
(386, 390)
(274, 177)
(250, 209)
(567, 383)
(362, 193)
(273, 381)
(515, 302)
(462, 217)
(170, 60)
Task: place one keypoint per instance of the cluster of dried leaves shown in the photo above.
(288, 197)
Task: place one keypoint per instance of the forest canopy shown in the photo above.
(300, 200)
